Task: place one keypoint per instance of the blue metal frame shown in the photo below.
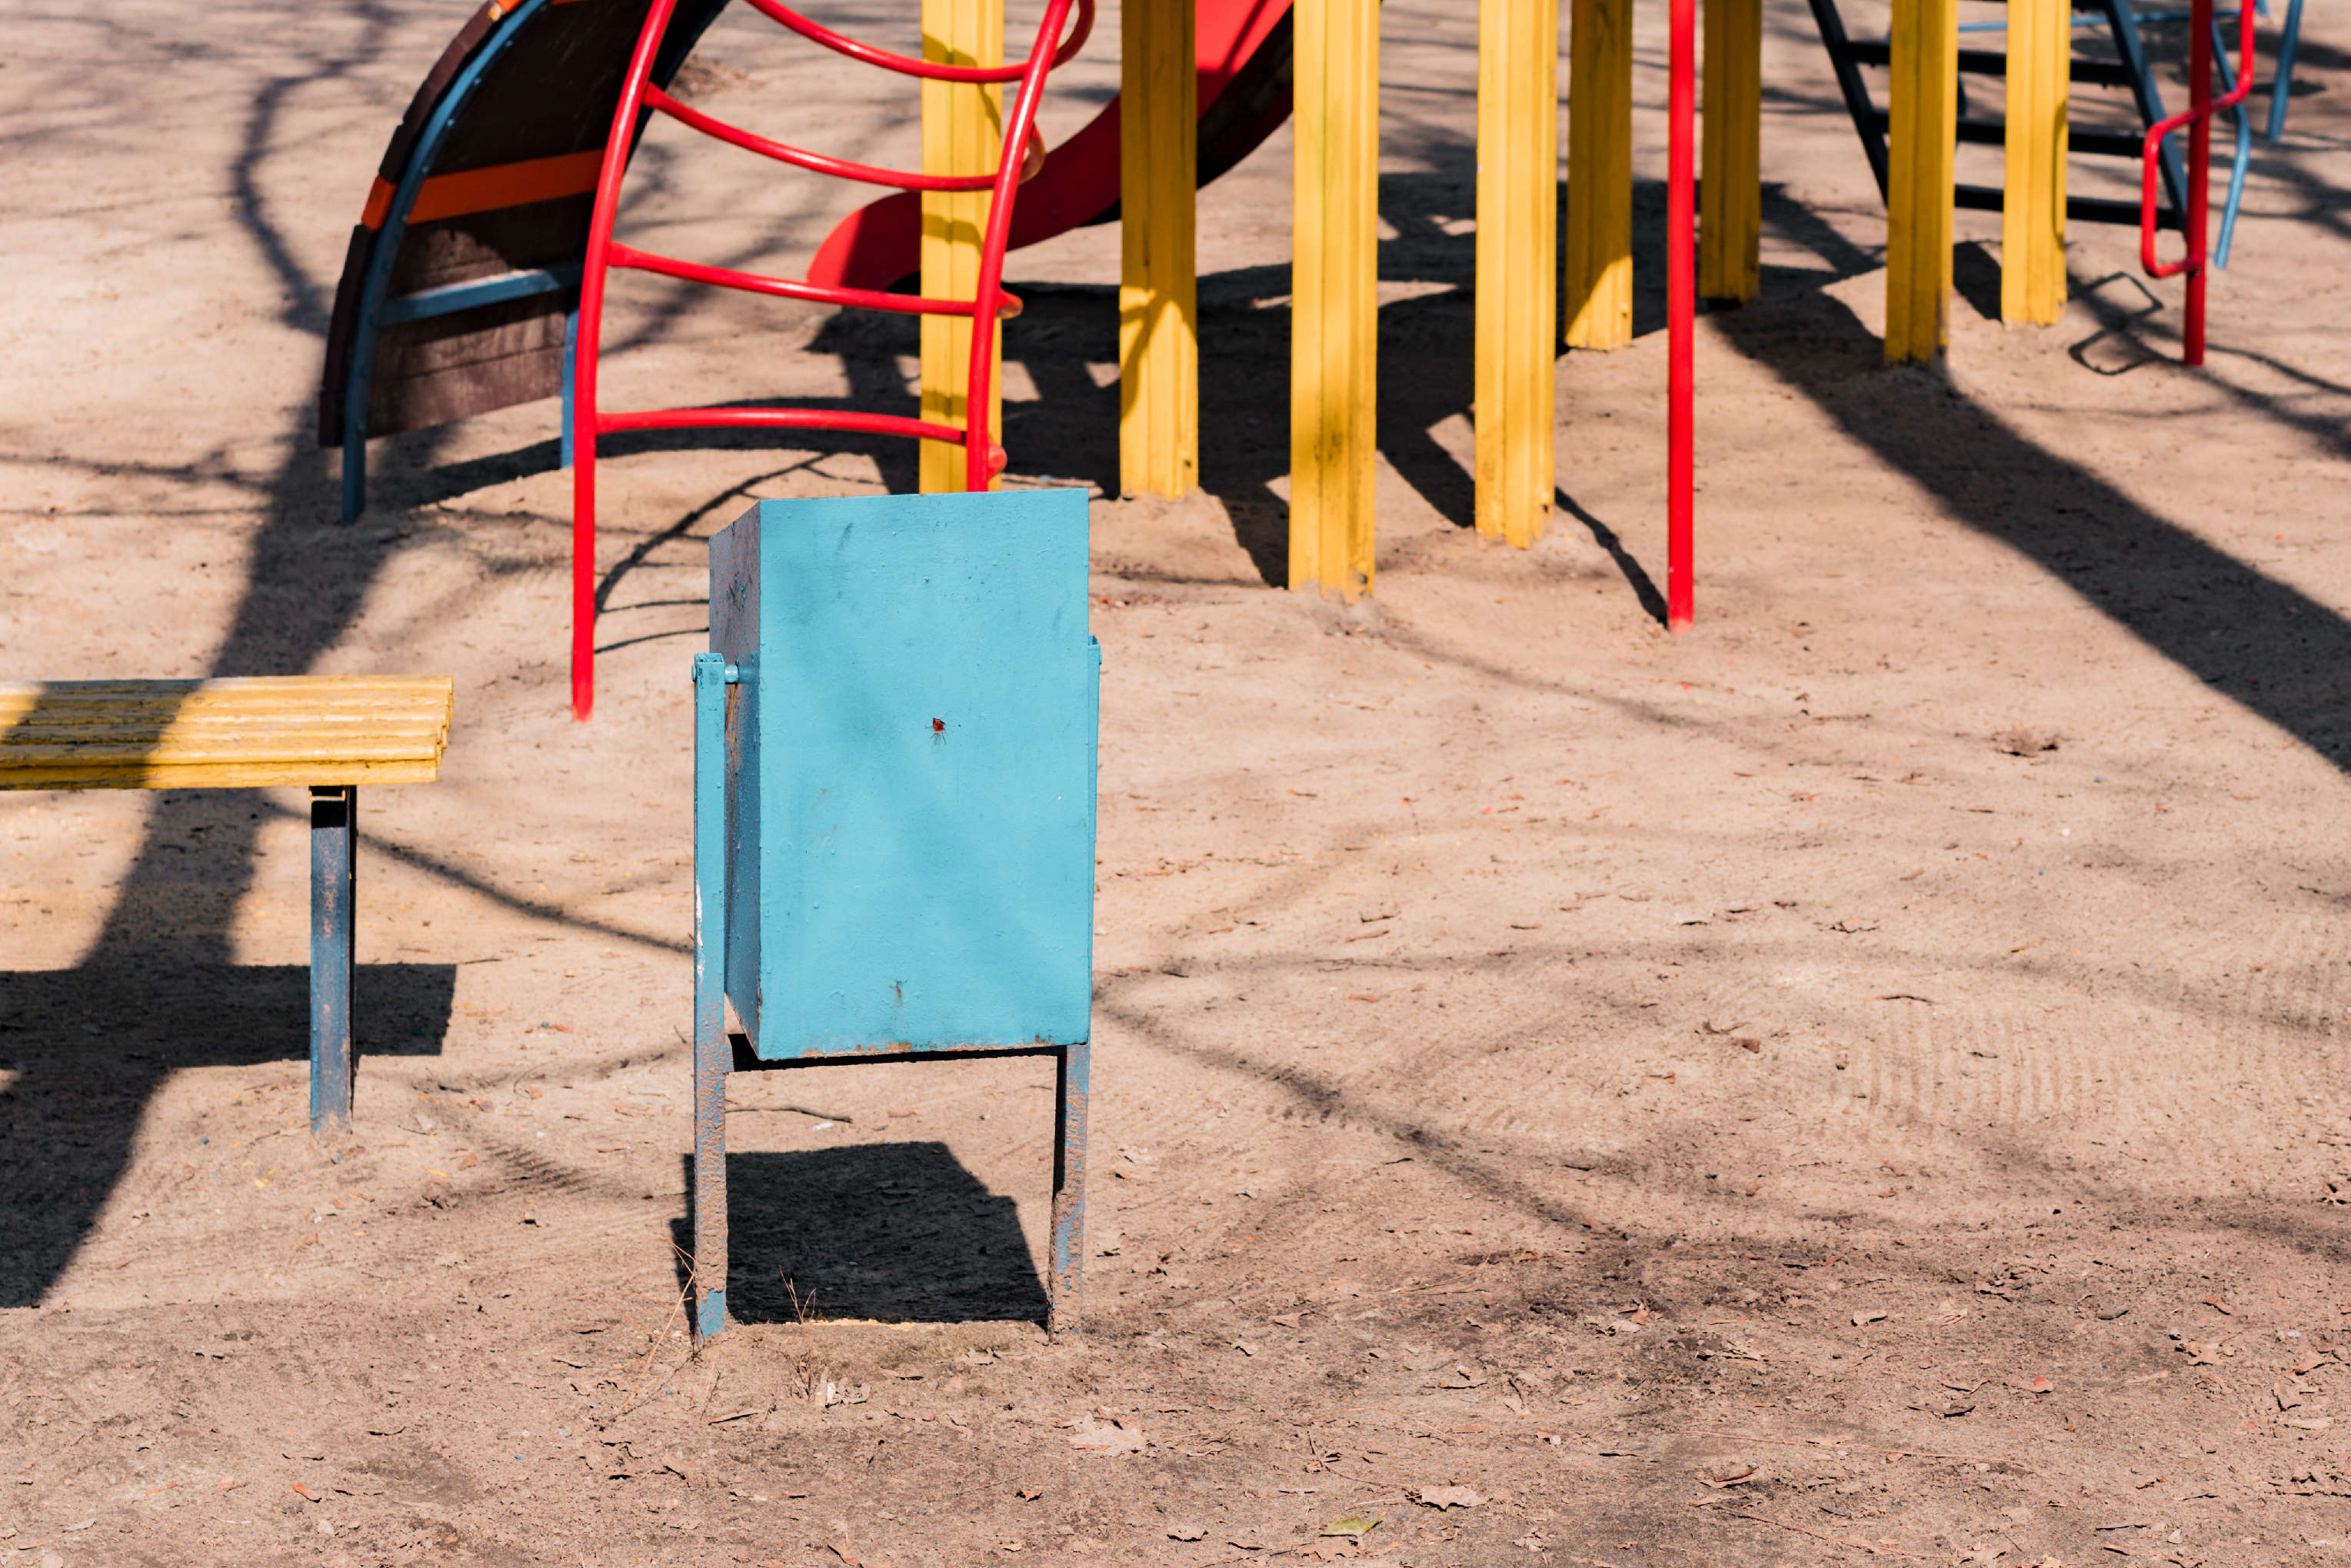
(2281, 82)
(712, 675)
(2239, 153)
(387, 250)
(334, 900)
(1066, 1249)
(452, 297)
(570, 363)
(716, 1054)
(2123, 24)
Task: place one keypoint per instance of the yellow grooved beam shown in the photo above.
(130, 745)
(1730, 142)
(1923, 114)
(1334, 300)
(170, 775)
(1158, 311)
(1600, 174)
(1518, 223)
(963, 133)
(2033, 200)
(325, 729)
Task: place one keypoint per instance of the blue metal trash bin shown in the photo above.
(894, 759)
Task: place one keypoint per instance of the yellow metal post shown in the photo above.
(2032, 198)
(1600, 174)
(1924, 125)
(962, 132)
(1334, 300)
(1518, 223)
(1158, 315)
(1731, 142)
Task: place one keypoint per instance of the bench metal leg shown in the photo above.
(571, 354)
(334, 893)
(1065, 1284)
(713, 1051)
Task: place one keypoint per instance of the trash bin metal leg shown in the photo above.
(334, 894)
(1067, 1270)
(713, 1052)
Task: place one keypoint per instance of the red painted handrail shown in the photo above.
(1681, 314)
(2201, 106)
(778, 419)
(817, 32)
(815, 163)
(618, 255)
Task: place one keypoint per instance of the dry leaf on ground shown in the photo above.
(1107, 1438)
(1353, 1525)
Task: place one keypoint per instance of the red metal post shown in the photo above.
(1681, 313)
(2199, 172)
(983, 457)
(584, 420)
(2198, 118)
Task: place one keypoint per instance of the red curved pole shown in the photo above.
(817, 32)
(816, 163)
(1681, 313)
(2201, 106)
(982, 457)
(585, 357)
(782, 419)
(793, 289)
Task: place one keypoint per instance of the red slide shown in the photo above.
(1244, 55)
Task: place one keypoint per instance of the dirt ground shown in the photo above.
(1862, 1081)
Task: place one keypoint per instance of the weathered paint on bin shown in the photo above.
(895, 754)
(910, 760)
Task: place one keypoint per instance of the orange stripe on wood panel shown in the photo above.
(487, 190)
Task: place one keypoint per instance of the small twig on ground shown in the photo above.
(1855, 1447)
(806, 1354)
(677, 1308)
(1824, 1535)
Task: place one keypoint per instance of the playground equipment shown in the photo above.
(463, 275)
(893, 822)
(332, 733)
(463, 283)
(488, 337)
(2040, 70)
(963, 298)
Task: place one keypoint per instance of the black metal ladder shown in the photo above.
(1847, 55)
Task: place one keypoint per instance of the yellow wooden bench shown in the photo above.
(329, 733)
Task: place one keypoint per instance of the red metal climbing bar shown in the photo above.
(988, 298)
(782, 419)
(818, 33)
(1007, 305)
(982, 458)
(2201, 106)
(815, 163)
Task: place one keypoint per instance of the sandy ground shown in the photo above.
(1864, 1081)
